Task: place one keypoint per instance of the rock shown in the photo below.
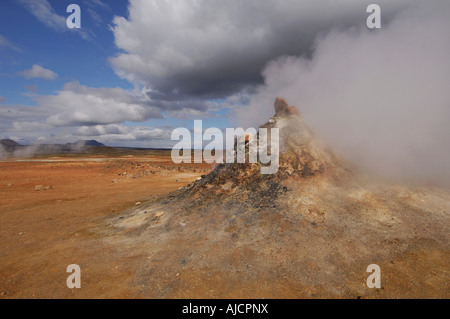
(39, 187)
(159, 214)
(10, 184)
(138, 203)
(227, 186)
(282, 108)
(293, 110)
(246, 138)
(21, 233)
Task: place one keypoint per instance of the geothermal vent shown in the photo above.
(301, 156)
(309, 230)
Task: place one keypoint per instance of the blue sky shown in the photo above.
(67, 53)
(30, 37)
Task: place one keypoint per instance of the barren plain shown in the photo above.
(43, 231)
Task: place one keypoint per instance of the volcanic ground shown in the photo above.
(308, 231)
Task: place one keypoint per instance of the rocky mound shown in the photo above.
(309, 230)
(302, 157)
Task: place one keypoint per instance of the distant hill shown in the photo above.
(82, 143)
(93, 143)
(9, 143)
(11, 148)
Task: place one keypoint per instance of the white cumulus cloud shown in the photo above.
(213, 48)
(38, 71)
(77, 104)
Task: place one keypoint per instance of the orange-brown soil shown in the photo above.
(43, 231)
(224, 236)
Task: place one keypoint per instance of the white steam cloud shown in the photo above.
(381, 97)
